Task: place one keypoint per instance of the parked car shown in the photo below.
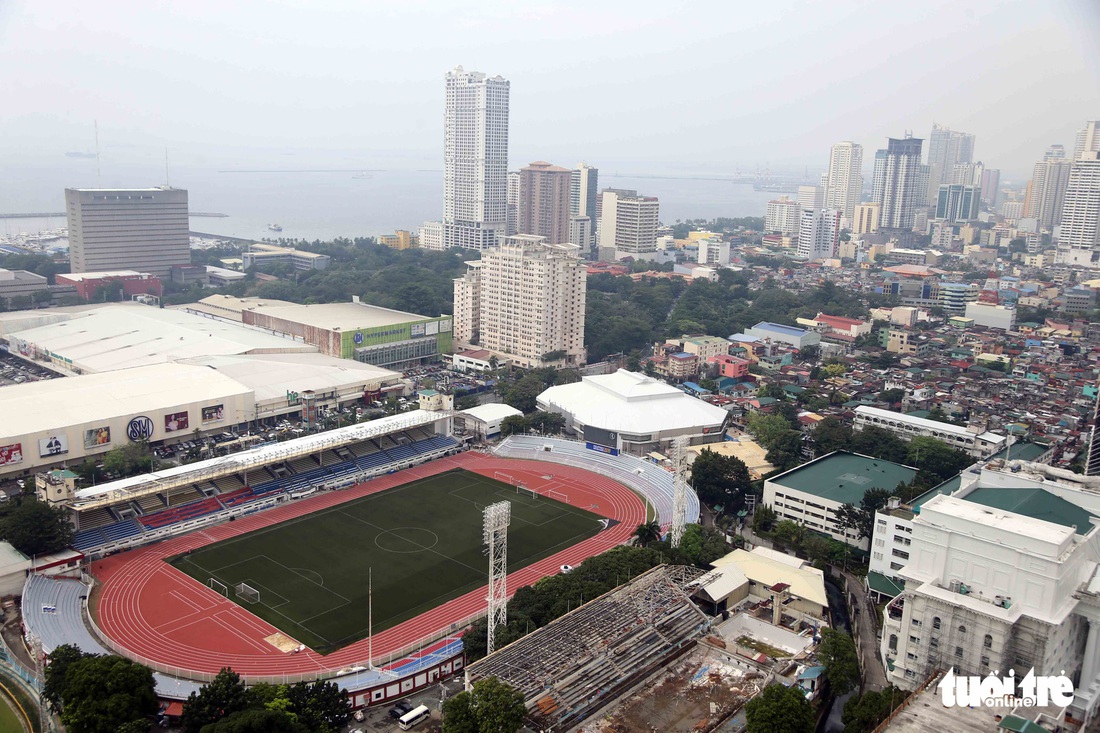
(402, 707)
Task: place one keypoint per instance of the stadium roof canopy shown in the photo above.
(631, 403)
(129, 335)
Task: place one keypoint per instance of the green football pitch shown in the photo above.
(421, 542)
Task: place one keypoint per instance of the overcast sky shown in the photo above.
(632, 86)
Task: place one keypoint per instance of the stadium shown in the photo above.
(353, 555)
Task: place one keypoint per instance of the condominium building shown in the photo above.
(1047, 189)
(584, 191)
(898, 176)
(628, 223)
(947, 149)
(1079, 235)
(844, 180)
(524, 301)
(512, 203)
(544, 201)
(783, 216)
(819, 234)
(1087, 139)
(867, 218)
(400, 239)
(144, 229)
(431, 235)
(957, 204)
(991, 187)
(475, 160)
(582, 233)
(811, 197)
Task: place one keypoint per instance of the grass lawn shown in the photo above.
(421, 541)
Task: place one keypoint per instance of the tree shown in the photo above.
(891, 396)
(837, 652)
(513, 424)
(863, 713)
(320, 706)
(141, 725)
(103, 693)
(786, 450)
(217, 699)
(767, 429)
(465, 402)
(720, 480)
(258, 720)
(648, 533)
(831, 434)
(763, 518)
(809, 353)
(57, 667)
(936, 457)
(491, 706)
(787, 532)
(834, 370)
(36, 528)
(550, 423)
(521, 395)
(703, 545)
(779, 709)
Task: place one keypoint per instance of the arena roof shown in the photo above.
(631, 403)
(270, 376)
(340, 316)
(129, 335)
(56, 404)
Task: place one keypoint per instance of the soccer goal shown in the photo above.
(557, 495)
(505, 477)
(521, 488)
(247, 592)
(219, 586)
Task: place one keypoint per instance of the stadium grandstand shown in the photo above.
(141, 509)
(655, 484)
(575, 665)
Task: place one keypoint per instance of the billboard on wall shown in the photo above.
(11, 454)
(213, 413)
(95, 437)
(600, 436)
(55, 445)
(175, 421)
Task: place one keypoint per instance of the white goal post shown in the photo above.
(218, 586)
(247, 592)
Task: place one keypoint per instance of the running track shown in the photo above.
(160, 616)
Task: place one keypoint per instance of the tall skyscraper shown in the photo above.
(946, 149)
(1087, 139)
(511, 198)
(783, 216)
(544, 201)
(524, 300)
(957, 204)
(143, 229)
(1079, 235)
(584, 191)
(819, 234)
(628, 223)
(896, 179)
(1047, 189)
(991, 187)
(844, 180)
(475, 160)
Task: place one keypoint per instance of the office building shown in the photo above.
(1047, 189)
(544, 201)
(475, 160)
(844, 180)
(261, 254)
(866, 219)
(523, 301)
(991, 187)
(431, 235)
(143, 229)
(783, 216)
(1079, 235)
(811, 197)
(992, 316)
(957, 204)
(898, 174)
(819, 234)
(713, 251)
(584, 191)
(946, 149)
(628, 223)
(1087, 139)
(20, 288)
(400, 239)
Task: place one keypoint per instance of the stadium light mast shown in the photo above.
(495, 535)
(680, 495)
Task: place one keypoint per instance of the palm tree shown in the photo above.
(647, 533)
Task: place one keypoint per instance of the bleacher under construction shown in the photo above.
(140, 508)
(577, 664)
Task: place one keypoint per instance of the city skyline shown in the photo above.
(249, 104)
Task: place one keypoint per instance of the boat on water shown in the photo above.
(275, 227)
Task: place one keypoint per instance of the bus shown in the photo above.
(414, 717)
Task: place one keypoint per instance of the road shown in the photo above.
(874, 675)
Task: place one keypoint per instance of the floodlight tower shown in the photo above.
(680, 495)
(495, 535)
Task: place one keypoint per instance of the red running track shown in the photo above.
(157, 614)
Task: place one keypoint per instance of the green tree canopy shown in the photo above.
(220, 697)
(768, 429)
(103, 693)
(720, 480)
(60, 660)
(837, 652)
(36, 528)
(257, 720)
(779, 709)
(863, 713)
(493, 706)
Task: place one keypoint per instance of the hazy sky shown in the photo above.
(631, 86)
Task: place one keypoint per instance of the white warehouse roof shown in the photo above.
(492, 412)
(270, 376)
(631, 403)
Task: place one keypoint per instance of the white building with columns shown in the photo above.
(1003, 575)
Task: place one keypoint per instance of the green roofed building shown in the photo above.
(1034, 503)
(812, 493)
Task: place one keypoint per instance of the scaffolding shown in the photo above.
(576, 664)
(495, 531)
